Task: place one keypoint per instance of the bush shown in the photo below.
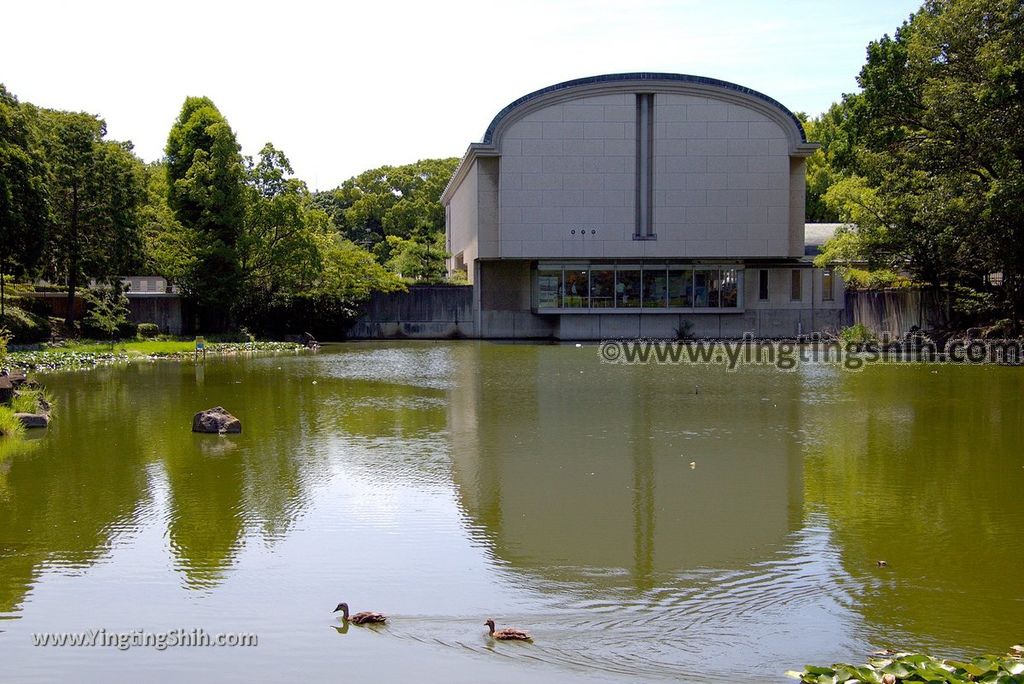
(857, 334)
(880, 279)
(150, 330)
(25, 327)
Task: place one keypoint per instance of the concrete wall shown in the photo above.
(425, 311)
(461, 222)
(724, 184)
(894, 312)
(145, 307)
(163, 309)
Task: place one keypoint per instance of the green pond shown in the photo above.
(646, 523)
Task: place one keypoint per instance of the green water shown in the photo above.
(445, 483)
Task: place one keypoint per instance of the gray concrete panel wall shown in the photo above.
(425, 311)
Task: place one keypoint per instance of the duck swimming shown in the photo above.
(363, 618)
(508, 634)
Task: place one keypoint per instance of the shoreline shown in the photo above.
(58, 359)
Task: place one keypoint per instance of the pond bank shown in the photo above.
(79, 356)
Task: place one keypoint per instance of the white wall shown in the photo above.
(721, 181)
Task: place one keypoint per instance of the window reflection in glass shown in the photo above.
(549, 288)
(627, 288)
(655, 288)
(729, 291)
(602, 287)
(680, 287)
(576, 289)
(705, 287)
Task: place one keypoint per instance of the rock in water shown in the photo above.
(33, 420)
(216, 421)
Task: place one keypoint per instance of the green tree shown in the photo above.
(420, 258)
(278, 254)
(170, 247)
(96, 188)
(943, 107)
(108, 310)
(23, 208)
(390, 200)
(206, 191)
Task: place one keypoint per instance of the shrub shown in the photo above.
(25, 327)
(880, 279)
(150, 330)
(857, 334)
(684, 331)
(5, 337)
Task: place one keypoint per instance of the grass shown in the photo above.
(88, 353)
(27, 400)
(145, 347)
(9, 425)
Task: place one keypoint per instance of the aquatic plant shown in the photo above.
(10, 426)
(890, 668)
(27, 400)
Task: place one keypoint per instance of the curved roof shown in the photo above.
(638, 76)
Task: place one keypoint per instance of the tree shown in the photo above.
(170, 248)
(420, 258)
(23, 208)
(96, 190)
(278, 253)
(108, 310)
(927, 160)
(390, 200)
(944, 99)
(206, 191)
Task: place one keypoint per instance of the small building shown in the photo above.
(636, 205)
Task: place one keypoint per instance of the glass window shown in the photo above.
(762, 284)
(729, 290)
(705, 287)
(655, 287)
(602, 287)
(795, 288)
(577, 288)
(627, 287)
(827, 285)
(549, 287)
(680, 287)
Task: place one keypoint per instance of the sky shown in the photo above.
(342, 87)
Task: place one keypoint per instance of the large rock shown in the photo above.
(33, 420)
(216, 420)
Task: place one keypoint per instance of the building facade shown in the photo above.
(638, 205)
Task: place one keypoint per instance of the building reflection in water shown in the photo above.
(578, 470)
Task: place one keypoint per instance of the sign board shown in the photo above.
(200, 344)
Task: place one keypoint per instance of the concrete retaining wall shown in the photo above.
(425, 311)
(164, 309)
(894, 311)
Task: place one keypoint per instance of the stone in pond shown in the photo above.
(33, 420)
(216, 421)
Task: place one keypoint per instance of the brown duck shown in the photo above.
(509, 633)
(363, 618)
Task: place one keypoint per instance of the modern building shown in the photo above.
(637, 205)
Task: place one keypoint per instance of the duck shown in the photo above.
(363, 618)
(508, 634)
